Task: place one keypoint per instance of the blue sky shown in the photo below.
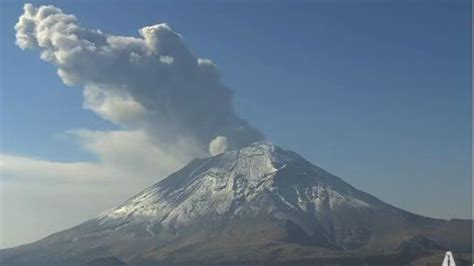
(377, 93)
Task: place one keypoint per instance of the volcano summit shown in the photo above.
(258, 205)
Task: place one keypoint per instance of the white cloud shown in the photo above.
(132, 152)
(42, 196)
(20, 169)
(122, 155)
(218, 145)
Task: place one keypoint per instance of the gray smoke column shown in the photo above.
(151, 82)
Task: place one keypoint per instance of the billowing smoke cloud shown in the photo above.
(218, 145)
(169, 103)
(151, 83)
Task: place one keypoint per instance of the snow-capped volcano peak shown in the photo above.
(259, 178)
(261, 203)
(204, 184)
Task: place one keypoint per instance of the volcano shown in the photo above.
(260, 205)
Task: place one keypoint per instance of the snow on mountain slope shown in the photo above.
(259, 203)
(222, 185)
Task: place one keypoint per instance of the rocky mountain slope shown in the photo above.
(261, 204)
